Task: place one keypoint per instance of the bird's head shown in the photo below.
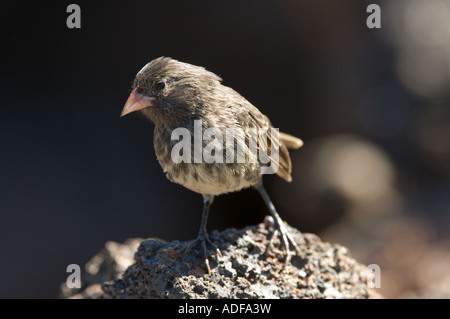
(167, 91)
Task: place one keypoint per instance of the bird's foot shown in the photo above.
(203, 241)
(286, 239)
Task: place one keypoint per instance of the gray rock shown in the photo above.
(245, 269)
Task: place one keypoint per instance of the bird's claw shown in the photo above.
(204, 241)
(286, 239)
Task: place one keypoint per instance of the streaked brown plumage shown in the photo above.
(173, 94)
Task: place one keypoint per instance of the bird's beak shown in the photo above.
(137, 101)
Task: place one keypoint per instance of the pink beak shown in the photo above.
(137, 101)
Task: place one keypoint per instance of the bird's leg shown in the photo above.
(286, 237)
(202, 237)
(203, 234)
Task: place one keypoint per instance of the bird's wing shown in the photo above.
(249, 117)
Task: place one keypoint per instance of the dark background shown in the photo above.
(73, 174)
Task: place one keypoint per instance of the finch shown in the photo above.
(176, 97)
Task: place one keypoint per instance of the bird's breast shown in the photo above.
(213, 178)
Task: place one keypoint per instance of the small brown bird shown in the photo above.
(175, 95)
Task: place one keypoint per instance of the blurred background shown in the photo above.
(372, 105)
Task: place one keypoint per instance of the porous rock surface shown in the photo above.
(246, 269)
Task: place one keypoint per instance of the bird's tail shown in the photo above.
(287, 141)
(290, 141)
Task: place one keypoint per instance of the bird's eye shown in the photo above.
(160, 85)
